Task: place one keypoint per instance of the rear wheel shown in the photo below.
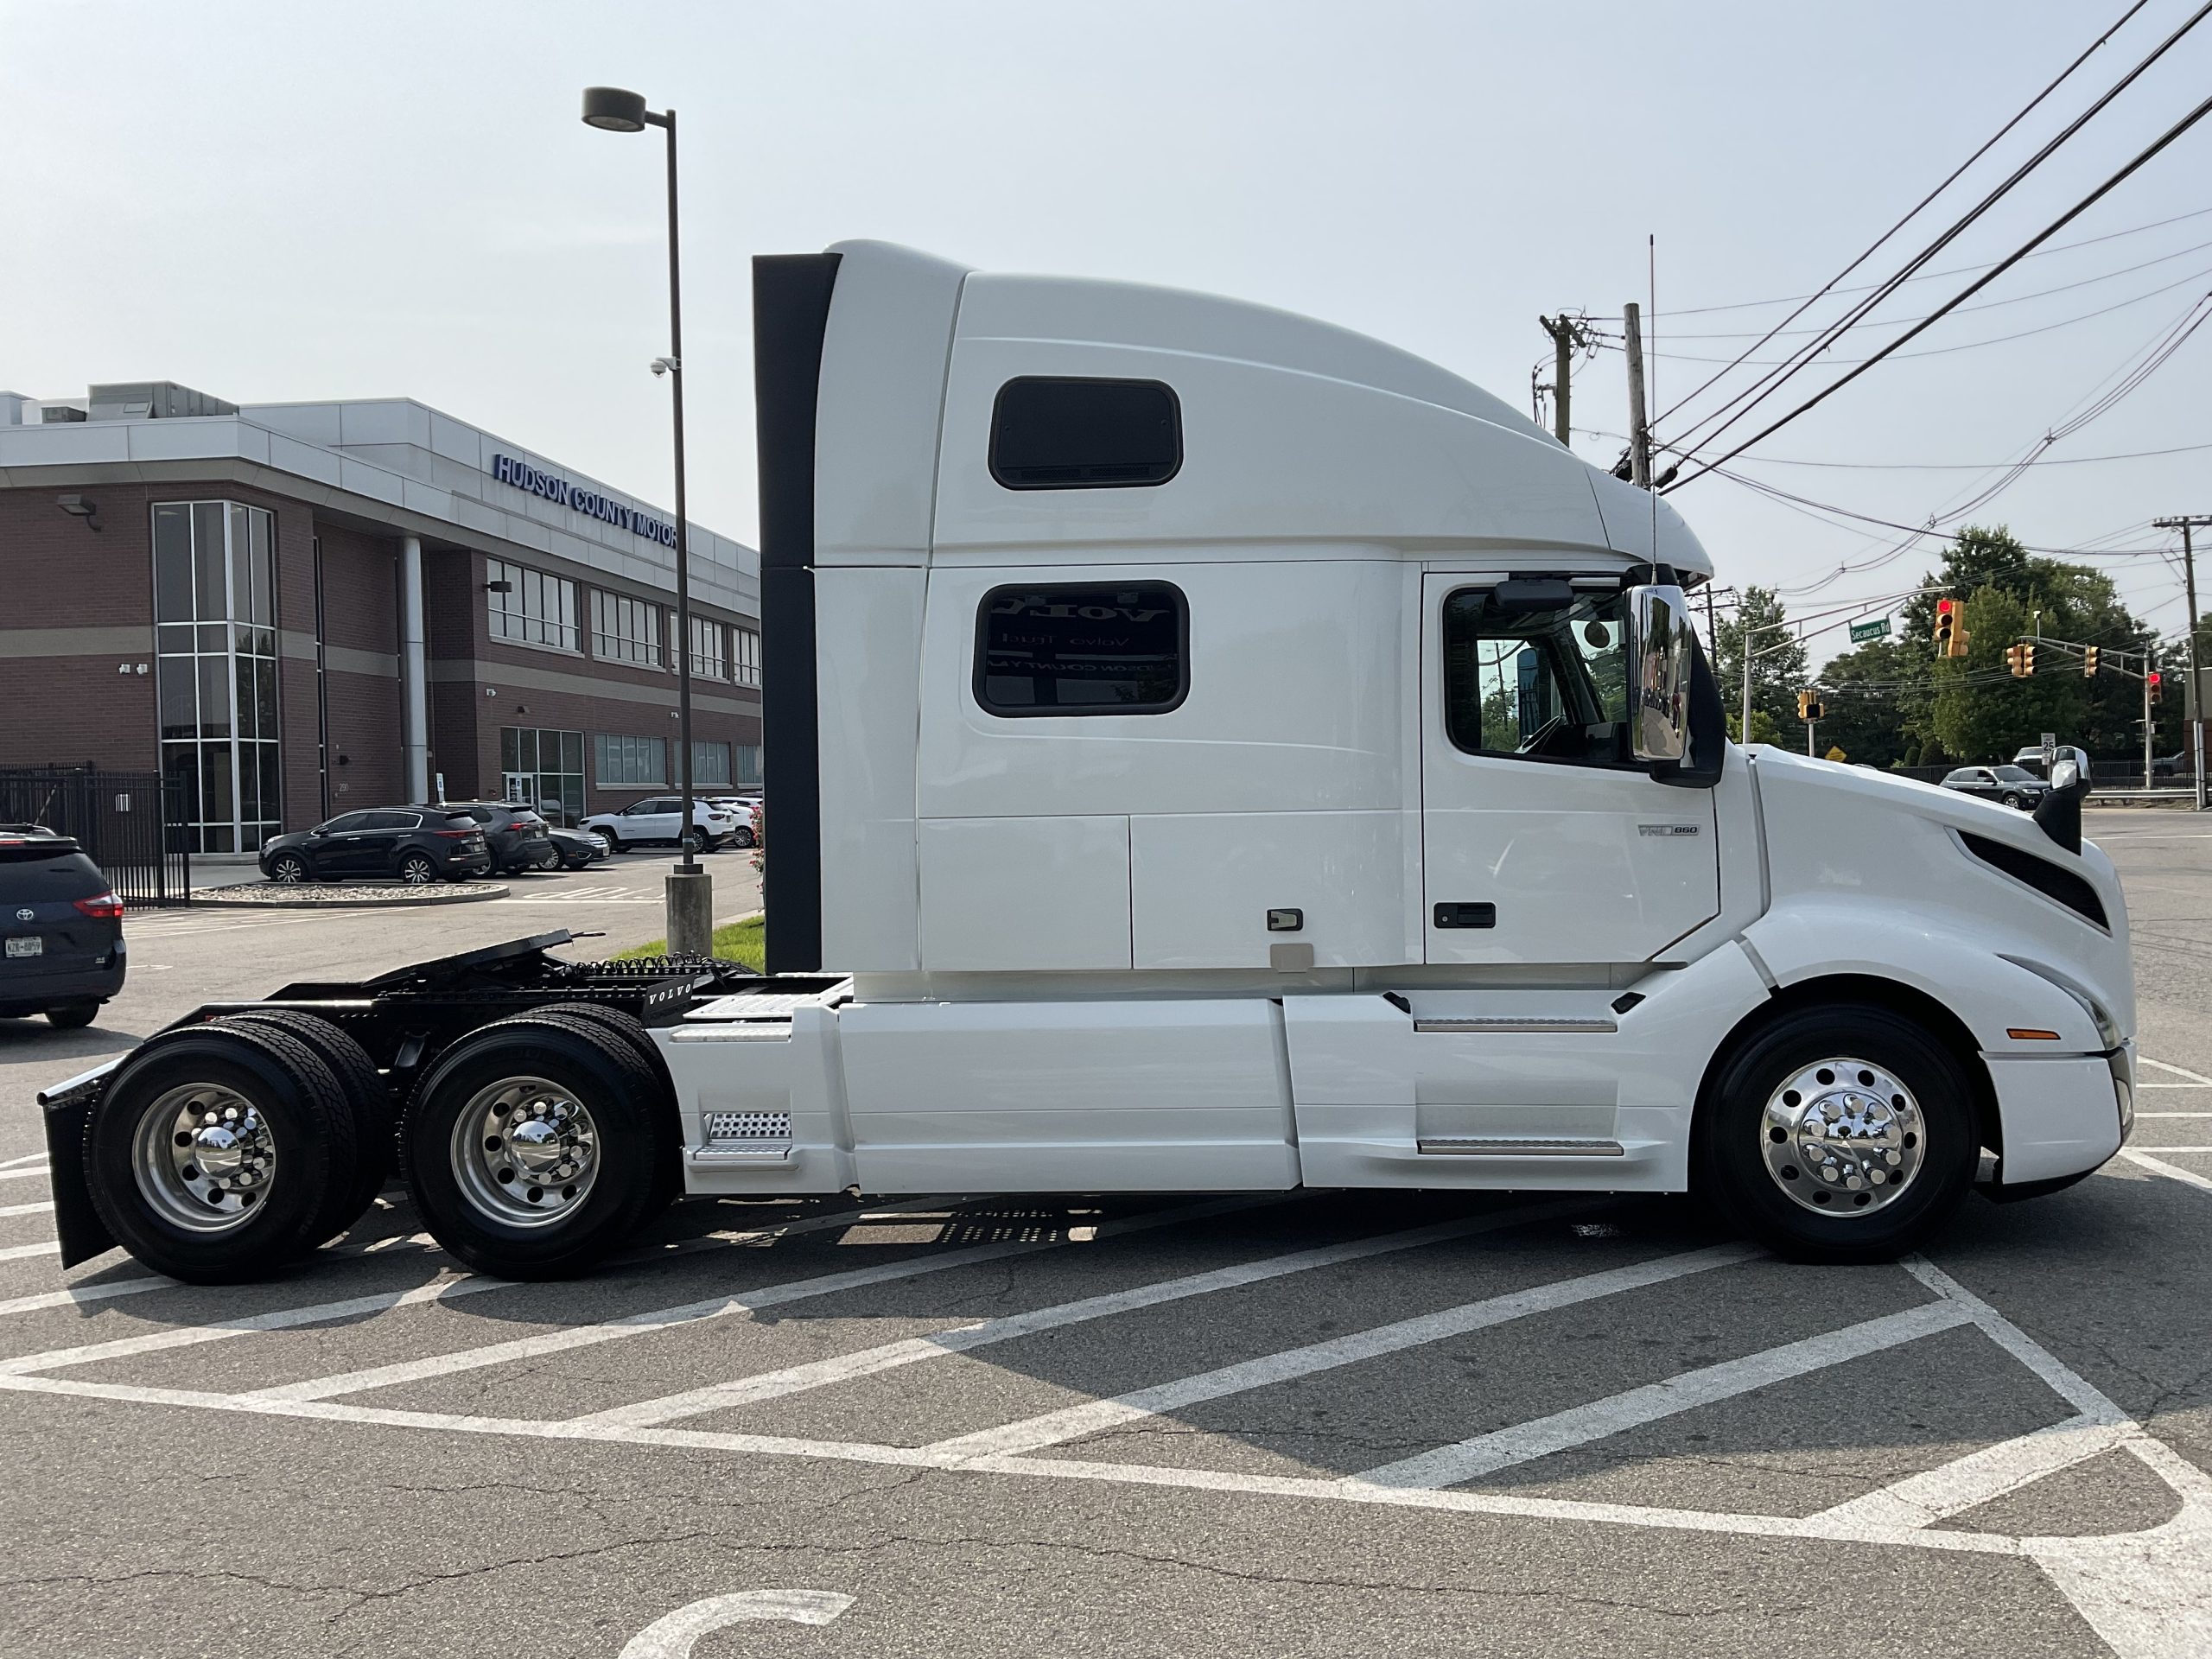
(549, 860)
(214, 1150)
(668, 1147)
(367, 1096)
(418, 869)
(744, 836)
(692, 842)
(531, 1144)
(1839, 1133)
(71, 1015)
(288, 868)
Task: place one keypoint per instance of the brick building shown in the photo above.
(300, 609)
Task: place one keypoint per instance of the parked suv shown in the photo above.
(744, 811)
(516, 833)
(413, 844)
(62, 952)
(656, 819)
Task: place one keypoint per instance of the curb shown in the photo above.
(384, 898)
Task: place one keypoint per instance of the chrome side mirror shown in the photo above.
(2066, 774)
(1662, 648)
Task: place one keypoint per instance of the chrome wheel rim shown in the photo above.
(525, 1151)
(289, 870)
(205, 1158)
(1843, 1137)
(417, 873)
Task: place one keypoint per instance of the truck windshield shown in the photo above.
(1549, 685)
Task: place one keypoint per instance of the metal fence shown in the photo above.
(131, 823)
(2103, 774)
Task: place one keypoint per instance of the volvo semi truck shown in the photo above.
(1210, 750)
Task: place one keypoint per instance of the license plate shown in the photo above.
(32, 946)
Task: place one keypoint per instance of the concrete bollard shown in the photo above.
(690, 913)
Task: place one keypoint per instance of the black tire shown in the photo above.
(548, 861)
(667, 1150)
(289, 869)
(73, 1016)
(418, 869)
(628, 1106)
(311, 1127)
(575, 861)
(744, 836)
(2014, 802)
(374, 1125)
(692, 842)
(614, 842)
(1727, 1156)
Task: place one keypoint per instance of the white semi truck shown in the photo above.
(1209, 750)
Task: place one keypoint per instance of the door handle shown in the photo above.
(1466, 915)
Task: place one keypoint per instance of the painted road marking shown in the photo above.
(716, 1307)
(78, 1293)
(673, 1637)
(869, 1362)
(1966, 1483)
(1074, 1422)
(40, 1209)
(39, 1174)
(28, 1158)
(20, 1252)
(2197, 1078)
(2159, 1166)
(1562, 1431)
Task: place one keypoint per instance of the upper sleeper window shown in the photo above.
(1053, 433)
(1117, 649)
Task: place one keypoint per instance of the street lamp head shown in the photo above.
(611, 109)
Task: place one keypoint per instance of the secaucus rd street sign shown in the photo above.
(1876, 627)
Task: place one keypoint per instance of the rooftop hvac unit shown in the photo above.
(50, 414)
(142, 400)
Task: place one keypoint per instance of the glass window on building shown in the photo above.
(529, 605)
(709, 654)
(625, 630)
(746, 655)
(748, 765)
(544, 769)
(710, 765)
(215, 640)
(628, 762)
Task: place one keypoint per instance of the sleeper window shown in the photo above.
(1049, 433)
(1544, 686)
(1118, 649)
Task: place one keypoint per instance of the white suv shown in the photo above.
(655, 819)
(746, 810)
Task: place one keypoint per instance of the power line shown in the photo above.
(2141, 159)
(2025, 111)
(1773, 380)
(1949, 271)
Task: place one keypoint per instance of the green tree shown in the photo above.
(1777, 665)
(1860, 689)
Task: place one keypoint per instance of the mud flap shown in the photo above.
(66, 1110)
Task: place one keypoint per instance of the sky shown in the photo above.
(277, 202)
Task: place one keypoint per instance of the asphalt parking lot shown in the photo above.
(1389, 1424)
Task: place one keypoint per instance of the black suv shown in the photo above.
(517, 833)
(60, 929)
(415, 844)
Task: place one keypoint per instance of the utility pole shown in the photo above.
(1569, 335)
(1639, 430)
(2184, 523)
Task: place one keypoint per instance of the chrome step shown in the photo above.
(1520, 1022)
(1489, 1147)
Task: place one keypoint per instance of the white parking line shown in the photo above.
(2144, 1115)
(39, 1174)
(2159, 1166)
(2197, 1078)
(636, 1324)
(869, 1362)
(1561, 1431)
(1073, 1422)
(1966, 1482)
(45, 1207)
(28, 1158)
(21, 1252)
(76, 1294)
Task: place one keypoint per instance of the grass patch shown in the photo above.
(746, 942)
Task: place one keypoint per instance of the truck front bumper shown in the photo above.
(2061, 1117)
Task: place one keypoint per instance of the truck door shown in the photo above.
(1543, 839)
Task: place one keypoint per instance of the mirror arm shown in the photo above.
(1708, 731)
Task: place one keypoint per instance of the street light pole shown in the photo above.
(690, 889)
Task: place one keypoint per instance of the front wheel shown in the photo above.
(1839, 1133)
(418, 870)
(612, 842)
(2015, 802)
(744, 836)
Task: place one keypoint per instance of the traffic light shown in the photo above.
(1809, 707)
(1947, 622)
(2015, 659)
(2150, 685)
(2027, 660)
(2089, 663)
